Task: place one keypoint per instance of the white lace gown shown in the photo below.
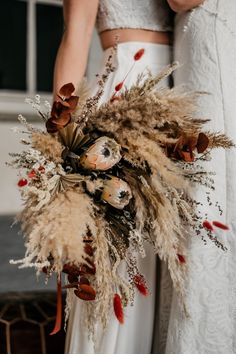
(205, 45)
(135, 335)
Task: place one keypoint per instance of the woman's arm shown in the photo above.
(184, 5)
(71, 60)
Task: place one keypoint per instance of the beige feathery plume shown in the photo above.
(58, 230)
(103, 283)
(48, 145)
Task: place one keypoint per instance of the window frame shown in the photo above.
(12, 101)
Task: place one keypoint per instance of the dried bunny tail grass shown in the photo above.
(48, 145)
(218, 140)
(58, 230)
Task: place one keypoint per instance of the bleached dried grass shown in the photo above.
(48, 145)
(58, 230)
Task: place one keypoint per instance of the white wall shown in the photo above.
(9, 142)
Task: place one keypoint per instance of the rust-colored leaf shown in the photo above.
(56, 109)
(191, 143)
(51, 126)
(65, 104)
(62, 120)
(72, 278)
(72, 102)
(89, 269)
(71, 269)
(187, 156)
(84, 280)
(67, 90)
(202, 143)
(85, 292)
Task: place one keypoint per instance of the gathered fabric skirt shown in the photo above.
(135, 336)
(205, 46)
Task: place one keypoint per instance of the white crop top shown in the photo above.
(143, 14)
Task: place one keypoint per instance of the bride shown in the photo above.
(205, 45)
(138, 25)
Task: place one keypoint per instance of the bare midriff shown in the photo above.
(110, 37)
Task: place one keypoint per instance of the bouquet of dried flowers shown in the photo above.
(103, 180)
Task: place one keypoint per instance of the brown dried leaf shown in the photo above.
(86, 292)
(67, 90)
(72, 102)
(84, 280)
(202, 143)
(63, 119)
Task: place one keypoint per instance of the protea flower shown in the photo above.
(102, 155)
(116, 192)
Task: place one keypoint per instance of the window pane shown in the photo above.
(49, 32)
(13, 45)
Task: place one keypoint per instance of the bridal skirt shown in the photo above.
(205, 46)
(136, 334)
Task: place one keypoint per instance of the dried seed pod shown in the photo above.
(116, 192)
(102, 155)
